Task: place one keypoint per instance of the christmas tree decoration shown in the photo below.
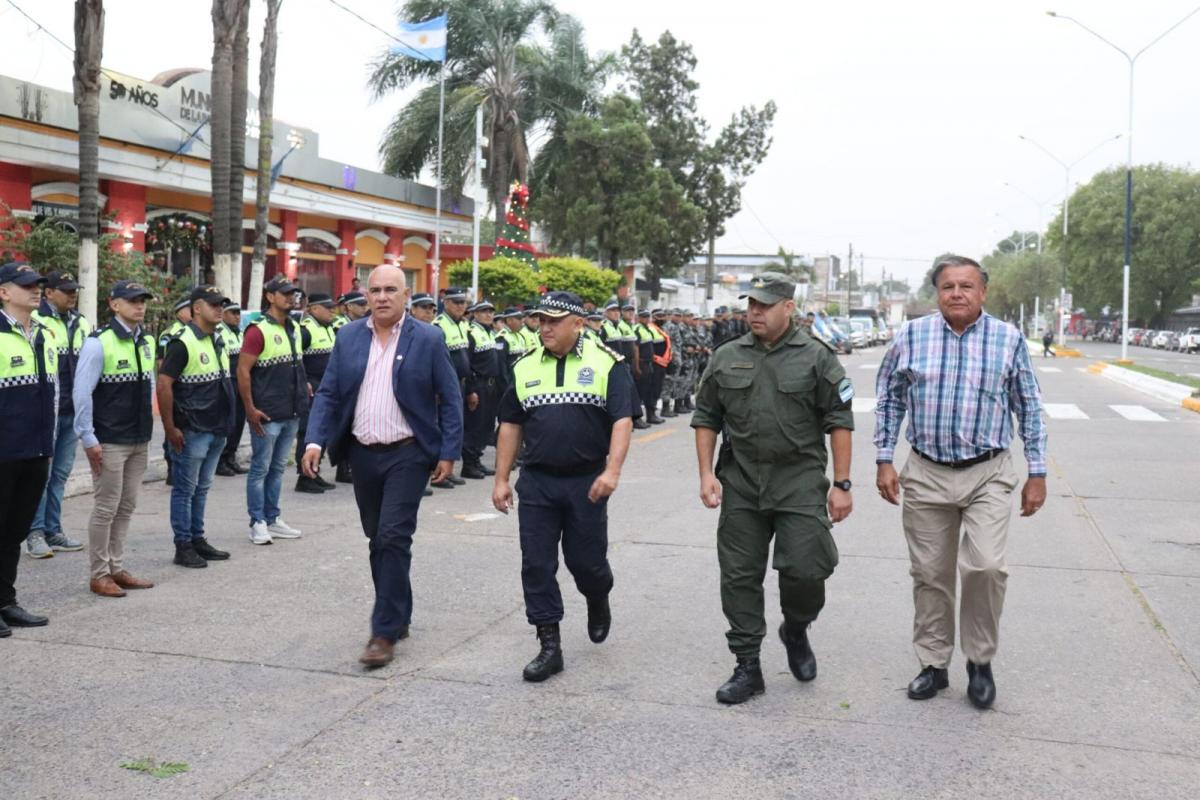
(513, 240)
(178, 232)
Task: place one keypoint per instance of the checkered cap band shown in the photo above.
(555, 305)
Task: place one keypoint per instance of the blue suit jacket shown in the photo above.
(423, 382)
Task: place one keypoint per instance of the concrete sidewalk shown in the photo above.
(246, 671)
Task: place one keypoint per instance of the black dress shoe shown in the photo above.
(207, 551)
(457, 481)
(746, 681)
(324, 484)
(239, 468)
(599, 618)
(549, 660)
(487, 470)
(640, 424)
(342, 474)
(186, 556)
(224, 470)
(801, 660)
(308, 485)
(427, 493)
(18, 617)
(443, 484)
(667, 412)
(5, 631)
(655, 420)
(927, 684)
(981, 689)
(473, 471)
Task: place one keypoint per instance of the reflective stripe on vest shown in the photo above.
(232, 339)
(121, 407)
(453, 331)
(585, 378)
(320, 337)
(28, 380)
(517, 346)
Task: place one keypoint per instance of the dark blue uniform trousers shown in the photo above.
(554, 507)
(388, 486)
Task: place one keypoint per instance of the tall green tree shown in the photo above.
(1166, 241)
(1018, 279)
(493, 58)
(603, 195)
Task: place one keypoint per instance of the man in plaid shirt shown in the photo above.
(961, 375)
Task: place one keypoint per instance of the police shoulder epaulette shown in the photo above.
(615, 355)
(829, 345)
(527, 354)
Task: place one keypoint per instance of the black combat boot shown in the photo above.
(640, 424)
(549, 660)
(186, 556)
(801, 660)
(981, 689)
(473, 471)
(746, 681)
(342, 475)
(207, 551)
(652, 417)
(667, 411)
(599, 618)
(224, 469)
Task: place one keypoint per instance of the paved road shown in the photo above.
(246, 671)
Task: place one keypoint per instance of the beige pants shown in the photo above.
(116, 491)
(940, 504)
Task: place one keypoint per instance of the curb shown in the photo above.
(1058, 350)
(1168, 391)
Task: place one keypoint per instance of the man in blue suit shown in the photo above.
(390, 406)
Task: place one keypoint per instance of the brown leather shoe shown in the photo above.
(127, 581)
(106, 587)
(379, 652)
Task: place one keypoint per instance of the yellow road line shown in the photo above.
(650, 437)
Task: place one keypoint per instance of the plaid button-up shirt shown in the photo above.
(960, 392)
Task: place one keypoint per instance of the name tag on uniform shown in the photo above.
(531, 384)
(741, 365)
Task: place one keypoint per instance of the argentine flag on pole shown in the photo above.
(424, 40)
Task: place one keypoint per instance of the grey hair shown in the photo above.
(956, 261)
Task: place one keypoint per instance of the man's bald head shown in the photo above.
(387, 294)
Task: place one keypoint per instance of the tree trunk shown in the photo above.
(266, 119)
(499, 164)
(237, 148)
(225, 15)
(655, 277)
(710, 269)
(89, 50)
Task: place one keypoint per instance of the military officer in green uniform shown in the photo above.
(774, 393)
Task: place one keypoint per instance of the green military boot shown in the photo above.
(746, 681)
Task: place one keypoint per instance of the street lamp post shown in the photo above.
(1132, 59)
(1067, 167)
(1041, 207)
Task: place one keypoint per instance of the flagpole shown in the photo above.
(437, 225)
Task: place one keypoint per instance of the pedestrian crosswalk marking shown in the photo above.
(1049, 369)
(1138, 413)
(863, 405)
(1063, 411)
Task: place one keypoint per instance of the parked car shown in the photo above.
(1189, 340)
(1131, 335)
(1161, 340)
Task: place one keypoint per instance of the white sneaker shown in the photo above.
(281, 530)
(259, 533)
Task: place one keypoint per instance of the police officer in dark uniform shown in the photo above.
(316, 340)
(28, 419)
(453, 324)
(645, 378)
(570, 404)
(774, 394)
(480, 422)
(231, 335)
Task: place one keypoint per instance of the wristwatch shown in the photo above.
(843, 485)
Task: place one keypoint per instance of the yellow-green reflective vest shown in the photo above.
(204, 392)
(28, 382)
(277, 382)
(319, 349)
(122, 412)
(69, 335)
(585, 378)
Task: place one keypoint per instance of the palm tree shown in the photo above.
(89, 50)
(791, 266)
(489, 61)
(226, 15)
(239, 99)
(266, 119)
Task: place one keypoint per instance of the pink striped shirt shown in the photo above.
(377, 416)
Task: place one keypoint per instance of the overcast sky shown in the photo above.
(898, 123)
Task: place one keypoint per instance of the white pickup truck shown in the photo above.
(1189, 340)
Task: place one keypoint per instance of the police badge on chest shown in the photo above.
(586, 377)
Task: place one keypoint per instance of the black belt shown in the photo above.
(572, 471)
(970, 462)
(383, 448)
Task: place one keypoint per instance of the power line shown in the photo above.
(42, 28)
(411, 53)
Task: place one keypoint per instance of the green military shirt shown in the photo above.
(775, 404)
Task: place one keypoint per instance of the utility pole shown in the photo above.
(849, 275)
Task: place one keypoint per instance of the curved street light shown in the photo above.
(1132, 59)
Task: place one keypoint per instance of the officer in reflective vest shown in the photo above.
(195, 402)
(28, 418)
(532, 322)
(593, 324)
(454, 328)
(661, 345)
(423, 307)
(273, 386)
(645, 356)
(70, 329)
(479, 422)
(316, 340)
(231, 334)
(570, 404)
(114, 387)
(619, 336)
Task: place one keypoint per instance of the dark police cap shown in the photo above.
(613, 303)
(209, 294)
(769, 288)
(129, 290)
(279, 284)
(595, 316)
(422, 299)
(21, 274)
(61, 280)
(352, 298)
(320, 299)
(560, 304)
(645, 312)
(232, 306)
(509, 312)
(455, 293)
(482, 305)
(183, 302)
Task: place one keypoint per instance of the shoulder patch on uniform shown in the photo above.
(846, 390)
(527, 354)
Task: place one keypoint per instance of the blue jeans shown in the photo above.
(268, 460)
(48, 518)
(193, 475)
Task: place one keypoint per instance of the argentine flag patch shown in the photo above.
(846, 390)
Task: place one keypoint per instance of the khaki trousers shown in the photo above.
(116, 491)
(941, 504)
